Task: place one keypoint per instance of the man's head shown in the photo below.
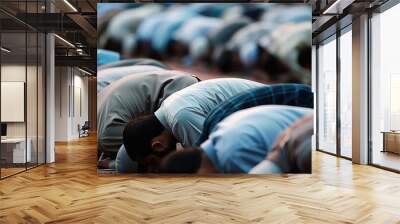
(223, 58)
(147, 141)
(292, 150)
(271, 64)
(185, 161)
(304, 57)
(188, 160)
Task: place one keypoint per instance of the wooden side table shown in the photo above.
(391, 141)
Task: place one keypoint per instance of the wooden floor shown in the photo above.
(70, 191)
(387, 159)
(10, 171)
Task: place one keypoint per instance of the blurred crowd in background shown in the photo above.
(270, 40)
(157, 113)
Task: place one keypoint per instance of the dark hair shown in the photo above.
(138, 134)
(304, 57)
(224, 60)
(171, 46)
(113, 45)
(184, 161)
(273, 65)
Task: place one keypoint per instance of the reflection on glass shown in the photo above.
(15, 150)
(394, 102)
(327, 97)
(23, 91)
(385, 114)
(31, 101)
(41, 98)
(346, 94)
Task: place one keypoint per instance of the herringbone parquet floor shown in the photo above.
(71, 191)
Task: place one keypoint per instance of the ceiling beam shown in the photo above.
(84, 24)
(78, 61)
(337, 7)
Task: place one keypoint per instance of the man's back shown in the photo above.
(184, 112)
(132, 96)
(243, 139)
(107, 76)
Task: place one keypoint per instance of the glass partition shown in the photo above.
(22, 77)
(346, 93)
(15, 150)
(385, 89)
(41, 97)
(32, 97)
(327, 96)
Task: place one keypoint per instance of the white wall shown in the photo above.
(33, 126)
(14, 73)
(61, 103)
(70, 83)
(17, 73)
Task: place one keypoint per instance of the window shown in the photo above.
(327, 96)
(346, 93)
(385, 89)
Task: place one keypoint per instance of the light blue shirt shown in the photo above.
(167, 28)
(250, 34)
(126, 23)
(149, 26)
(243, 140)
(104, 8)
(288, 14)
(106, 57)
(183, 113)
(196, 27)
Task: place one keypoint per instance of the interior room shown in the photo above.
(49, 145)
(22, 98)
(38, 108)
(385, 123)
(335, 74)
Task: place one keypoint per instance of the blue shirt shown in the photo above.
(209, 9)
(250, 34)
(167, 28)
(183, 113)
(106, 57)
(291, 14)
(196, 27)
(278, 94)
(104, 8)
(126, 23)
(149, 26)
(243, 140)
